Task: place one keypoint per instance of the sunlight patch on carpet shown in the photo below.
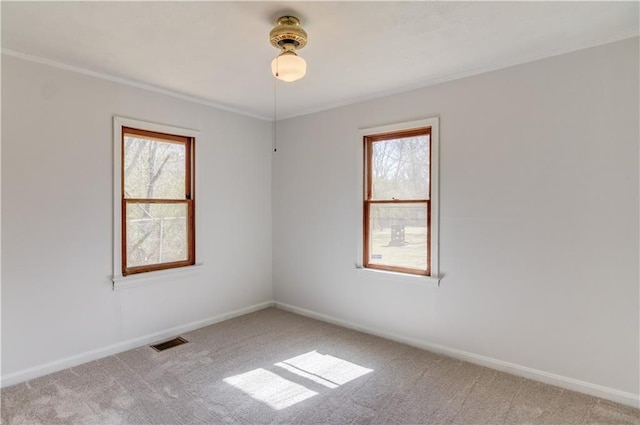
(280, 393)
(324, 369)
(269, 388)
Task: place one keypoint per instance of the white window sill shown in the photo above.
(401, 277)
(140, 279)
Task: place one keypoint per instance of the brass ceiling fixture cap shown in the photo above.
(287, 32)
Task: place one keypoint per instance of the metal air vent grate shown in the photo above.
(169, 344)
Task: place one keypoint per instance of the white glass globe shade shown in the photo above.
(288, 67)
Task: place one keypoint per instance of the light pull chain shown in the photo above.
(275, 134)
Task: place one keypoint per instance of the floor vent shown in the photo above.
(169, 344)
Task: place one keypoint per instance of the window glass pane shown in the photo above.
(401, 168)
(156, 233)
(398, 235)
(153, 169)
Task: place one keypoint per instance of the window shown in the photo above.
(400, 209)
(155, 198)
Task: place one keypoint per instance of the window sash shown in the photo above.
(368, 238)
(166, 265)
(165, 138)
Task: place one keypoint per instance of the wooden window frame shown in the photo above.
(368, 142)
(189, 199)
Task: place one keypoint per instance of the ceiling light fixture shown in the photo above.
(287, 36)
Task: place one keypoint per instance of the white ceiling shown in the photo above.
(219, 52)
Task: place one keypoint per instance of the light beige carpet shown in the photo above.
(274, 367)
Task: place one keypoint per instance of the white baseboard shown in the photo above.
(607, 393)
(98, 353)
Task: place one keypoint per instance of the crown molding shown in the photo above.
(131, 83)
(465, 74)
(377, 95)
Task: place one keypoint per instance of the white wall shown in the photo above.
(538, 209)
(57, 297)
